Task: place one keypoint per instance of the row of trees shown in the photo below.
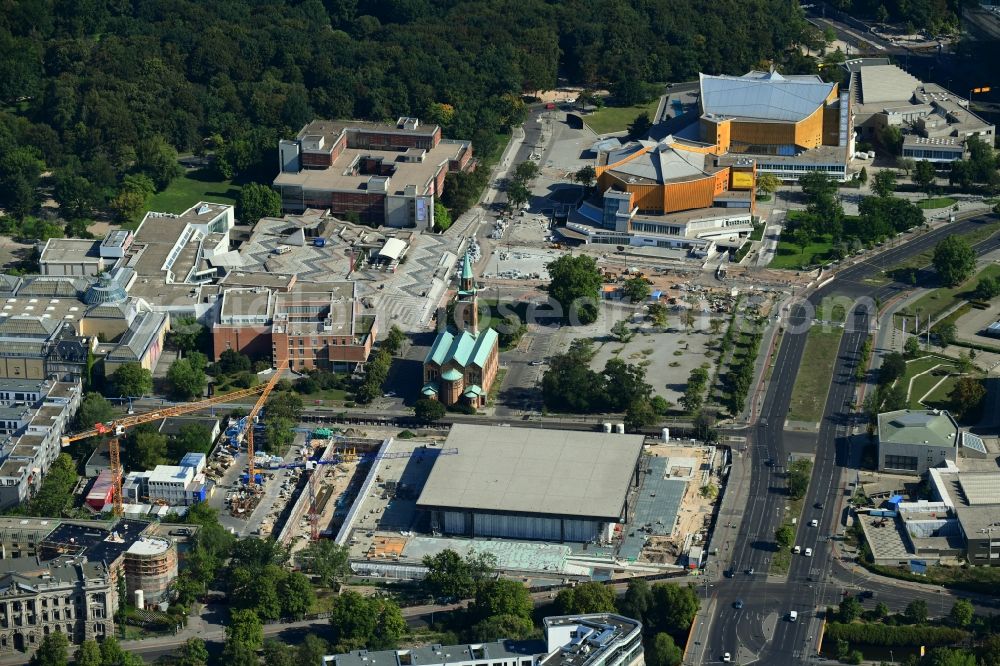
(740, 373)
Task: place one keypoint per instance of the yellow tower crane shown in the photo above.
(117, 428)
(253, 415)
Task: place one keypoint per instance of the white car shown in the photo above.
(814, 523)
(796, 550)
(726, 657)
(809, 552)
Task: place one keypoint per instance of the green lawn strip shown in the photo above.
(758, 231)
(495, 388)
(782, 559)
(813, 381)
(925, 383)
(936, 202)
(942, 299)
(831, 310)
(189, 189)
(979, 234)
(938, 399)
(617, 118)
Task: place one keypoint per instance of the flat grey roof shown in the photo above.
(976, 518)
(981, 489)
(528, 471)
(438, 654)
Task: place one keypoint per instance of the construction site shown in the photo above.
(382, 519)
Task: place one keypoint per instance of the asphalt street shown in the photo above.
(816, 581)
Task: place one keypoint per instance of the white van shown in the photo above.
(793, 616)
(796, 550)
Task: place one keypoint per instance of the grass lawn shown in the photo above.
(617, 118)
(794, 257)
(831, 309)
(324, 396)
(936, 202)
(936, 302)
(939, 398)
(192, 187)
(758, 230)
(813, 381)
(495, 389)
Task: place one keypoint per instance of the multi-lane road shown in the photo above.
(760, 630)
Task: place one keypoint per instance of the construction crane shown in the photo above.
(251, 474)
(117, 428)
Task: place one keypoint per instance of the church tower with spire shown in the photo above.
(467, 300)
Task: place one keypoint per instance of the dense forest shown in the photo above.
(101, 93)
(934, 16)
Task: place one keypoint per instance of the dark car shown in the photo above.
(867, 594)
(818, 505)
(750, 571)
(738, 605)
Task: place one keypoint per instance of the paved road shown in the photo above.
(818, 580)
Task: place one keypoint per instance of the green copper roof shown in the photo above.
(451, 375)
(429, 389)
(464, 349)
(467, 268)
(473, 391)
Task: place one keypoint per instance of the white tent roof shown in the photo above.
(392, 249)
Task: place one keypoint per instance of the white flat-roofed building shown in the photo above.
(519, 483)
(72, 257)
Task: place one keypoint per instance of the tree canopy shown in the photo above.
(954, 260)
(575, 284)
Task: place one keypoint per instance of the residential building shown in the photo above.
(462, 364)
(520, 483)
(32, 447)
(598, 639)
(171, 485)
(935, 122)
(382, 174)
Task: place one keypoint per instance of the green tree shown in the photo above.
(585, 176)
(673, 608)
(256, 201)
(637, 601)
(924, 176)
(52, 651)
(190, 438)
(132, 380)
(966, 396)
(784, 536)
(891, 138)
(987, 288)
(232, 362)
(863, 175)
(185, 334)
(56, 491)
(636, 289)
(87, 654)
(245, 630)
(75, 195)
(451, 575)
(946, 333)
(94, 409)
(186, 380)
(325, 560)
(767, 183)
(311, 650)
(911, 347)
(850, 609)
(236, 653)
(373, 623)
(442, 218)
(111, 651)
(296, 594)
(884, 184)
(194, 653)
(427, 410)
(657, 313)
(518, 195)
(621, 331)
(575, 284)
(954, 260)
(962, 613)
(157, 159)
(501, 597)
(640, 126)
(394, 340)
(526, 171)
(893, 367)
(663, 651)
(149, 449)
(799, 473)
(277, 653)
(588, 597)
(513, 627)
(916, 611)
(906, 165)
(639, 414)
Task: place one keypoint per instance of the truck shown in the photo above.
(319, 242)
